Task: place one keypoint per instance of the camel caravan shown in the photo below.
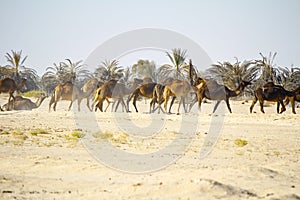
(187, 89)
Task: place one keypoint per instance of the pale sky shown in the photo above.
(51, 31)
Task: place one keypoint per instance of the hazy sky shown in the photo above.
(51, 31)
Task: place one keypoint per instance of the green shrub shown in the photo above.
(38, 131)
(33, 93)
(240, 142)
(77, 134)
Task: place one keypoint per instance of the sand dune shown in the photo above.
(256, 155)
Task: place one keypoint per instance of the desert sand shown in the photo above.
(43, 156)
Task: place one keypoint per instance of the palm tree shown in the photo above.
(290, 77)
(32, 79)
(76, 71)
(109, 70)
(268, 70)
(15, 61)
(177, 58)
(231, 75)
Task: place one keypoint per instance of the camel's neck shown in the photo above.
(39, 101)
(238, 91)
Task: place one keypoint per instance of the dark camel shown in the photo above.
(22, 103)
(111, 89)
(273, 93)
(66, 91)
(144, 90)
(215, 91)
(292, 100)
(8, 85)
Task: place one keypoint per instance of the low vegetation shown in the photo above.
(240, 142)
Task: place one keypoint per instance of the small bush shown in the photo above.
(240, 142)
(38, 131)
(33, 93)
(4, 133)
(77, 134)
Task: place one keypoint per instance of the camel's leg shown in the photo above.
(228, 105)
(193, 103)
(123, 103)
(11, 96)
(78, 103)
(70, 105)
(172, 102)
(54, 105)
(128, 100)
(180, 102)
(88, 103)
(293, 104)
(101, 105)
(151, 105)
(253, 103)
(134, 102)
(261, 102)
(216, 106)
(283, 107)
(165, 103)
(278, 105)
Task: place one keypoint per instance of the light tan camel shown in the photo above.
(88, 89)
(8, 85)
(66, 91)
(22, 103)
(111, 89)
(178, 88)
(273, 93)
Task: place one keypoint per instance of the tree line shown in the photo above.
(259, 71)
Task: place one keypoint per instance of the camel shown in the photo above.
(144, 90)
(22, 103)
(199, 88)
(8, 85)
(157, 97)
(67, 91)
(111, 89)
(88, 89)
(215, 91)
(178, 88)
(292, 100)
(273, 93)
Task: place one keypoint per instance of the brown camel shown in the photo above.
(88, 89)
(157, 97)
(144, 90)
(215, 91)
(199, 88)
(292, 100)
(8, 85)
(178, 88)
(67, 91)
(111, 89)
(273, 93)
(22, 103)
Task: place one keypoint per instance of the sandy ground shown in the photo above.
(256, 155)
